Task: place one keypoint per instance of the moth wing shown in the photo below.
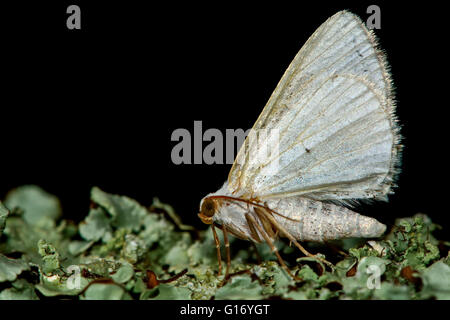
(328, 131)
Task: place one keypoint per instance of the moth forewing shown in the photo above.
(327, 133)
(332, 107)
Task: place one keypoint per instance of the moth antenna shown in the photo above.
(254, 204)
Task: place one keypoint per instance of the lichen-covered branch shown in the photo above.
(122, 250)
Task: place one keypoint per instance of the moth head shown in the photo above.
(207, 210)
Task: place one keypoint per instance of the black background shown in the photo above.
(97, 106)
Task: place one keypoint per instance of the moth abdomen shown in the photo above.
(325, 221)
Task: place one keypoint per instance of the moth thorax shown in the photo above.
(208, 209)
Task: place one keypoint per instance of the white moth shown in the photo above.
(333, 141)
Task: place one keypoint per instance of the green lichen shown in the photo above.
(35, 203)
(4, 212)
(11, 268)
(123, 250)
(50, 257)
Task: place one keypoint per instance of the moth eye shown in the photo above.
(208, 208)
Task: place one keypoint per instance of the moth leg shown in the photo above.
(271, 245)
(267, 226)
(253, 232)
(217, 241)
(336, 249)
(227, 247)
(258, 257)
(293, 240)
